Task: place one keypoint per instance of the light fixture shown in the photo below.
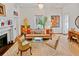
(40, 6)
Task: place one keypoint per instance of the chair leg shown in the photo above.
(20, 53)
(56, 44)
(30, 50)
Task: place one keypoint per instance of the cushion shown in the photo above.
(47, 31)
(78, 33)
(28, 31)
(23, 40)
(51, 42)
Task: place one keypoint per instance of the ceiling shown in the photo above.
(46, 5)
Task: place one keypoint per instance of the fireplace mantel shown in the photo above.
(5, 28)
(8, 30)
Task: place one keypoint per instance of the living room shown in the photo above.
(46, 27)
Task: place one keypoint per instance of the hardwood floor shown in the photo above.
(5, 48)
(64, 48)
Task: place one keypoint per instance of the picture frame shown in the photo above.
(41, 21)
(77, 22)
(2, 10)
(38, 18)
(55, 21)
(38, 21)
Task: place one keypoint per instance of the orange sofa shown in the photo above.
(31, 33)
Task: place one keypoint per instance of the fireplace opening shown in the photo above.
(3, 40)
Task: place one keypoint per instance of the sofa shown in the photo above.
(31, 33)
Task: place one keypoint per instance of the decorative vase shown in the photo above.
(2, 24)
(8, 22)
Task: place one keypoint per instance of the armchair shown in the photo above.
(22, 48)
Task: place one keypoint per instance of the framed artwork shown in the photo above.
(55, 21)
(2, 10)
(77, 22)
(40, 21)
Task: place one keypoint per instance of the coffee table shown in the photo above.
(37, 39)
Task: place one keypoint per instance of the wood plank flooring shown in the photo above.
(5, 48)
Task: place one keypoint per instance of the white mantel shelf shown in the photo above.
(6, 26)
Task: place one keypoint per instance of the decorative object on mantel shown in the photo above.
(9, 22)
(2, 23)
(15, 13)
(77, 22)
(2, 10)
(5, 22)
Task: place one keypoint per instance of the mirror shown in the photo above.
(77, 22)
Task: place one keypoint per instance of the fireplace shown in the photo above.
(3, 40)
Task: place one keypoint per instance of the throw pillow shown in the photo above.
(23, 40)
(51, 42)
(47, 31)
(28, 31)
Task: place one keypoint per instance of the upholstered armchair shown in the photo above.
(22, 48)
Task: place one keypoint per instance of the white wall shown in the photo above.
(9, 8)
(30, 10)
(47, 11)
(70, 10)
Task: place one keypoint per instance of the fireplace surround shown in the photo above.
(8, 31)
(3, 40)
